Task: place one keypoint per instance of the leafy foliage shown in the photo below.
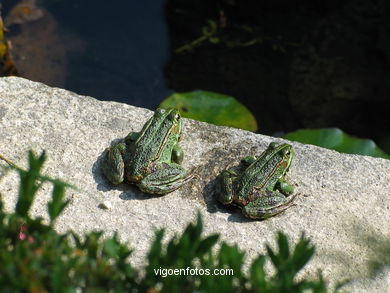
(35, 258)
(168, 267)
(221, 110)
(336, 139)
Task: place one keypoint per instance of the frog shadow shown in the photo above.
(128, 191)
(213, 205)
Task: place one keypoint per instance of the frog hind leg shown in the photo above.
(113, 165)
(225, 186)
(268, 204)
(166, 178)
(177, 154)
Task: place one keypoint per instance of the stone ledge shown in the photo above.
(344, 199)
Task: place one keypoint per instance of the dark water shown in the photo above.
(124, 51)
(111, 50)
(127, 48)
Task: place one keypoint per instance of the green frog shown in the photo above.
(150, 158)
(259, 187)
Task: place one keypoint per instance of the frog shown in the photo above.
(259, 187)
(151, 159)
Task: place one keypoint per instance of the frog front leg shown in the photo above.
(248, 160)
(268, 204)
(113, 165)
(284, 187)
(131, 137)
(164, 179)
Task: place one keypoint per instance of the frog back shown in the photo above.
(263, 174)
(154, 144)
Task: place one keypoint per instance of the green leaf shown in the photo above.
(76, 239)
(274, 258)
(172, 251)
(111, 247)
(315, 286)
(155, 250)
(206, 244)
(336, 139)
(230, 256)
(29, 183)
(57, 205)
(303, 251)
(193, 230)
(257, 274)
(283, 245)
(213, 108)
(92, 243)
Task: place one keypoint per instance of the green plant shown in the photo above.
(191, 248)
(35, 258)
(212, 107)
(209, 32)
(336, 139)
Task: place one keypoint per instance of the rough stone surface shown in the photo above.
(343, 204)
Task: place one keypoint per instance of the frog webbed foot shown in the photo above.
(267, 205)
(167, 178)
(113, 165)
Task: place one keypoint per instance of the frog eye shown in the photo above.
(174, 116)
(287, 152)
(161, 111)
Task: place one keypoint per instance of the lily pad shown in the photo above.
(336, 139)
(213, 108)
